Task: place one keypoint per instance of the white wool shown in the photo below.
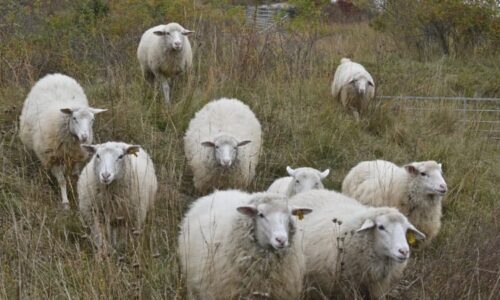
(338, 257)
(221, 258)
(353, 87)
(300, 180)
(127, 199)
(157, 57)
(223, 117)
(45, 129)
(382, 183)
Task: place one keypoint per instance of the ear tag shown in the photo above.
(410, 237)
(300, 214)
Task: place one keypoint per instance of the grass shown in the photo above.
(45, 252)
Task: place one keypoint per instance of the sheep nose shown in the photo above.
(84, 138)
(226, 162)
(443, 187)
(281, 241)
(105, 176)
(177, 44)
(404, 252)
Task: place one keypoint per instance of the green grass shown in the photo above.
(45, 252)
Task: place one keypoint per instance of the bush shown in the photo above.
(447, 27)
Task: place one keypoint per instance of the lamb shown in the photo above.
(55, 119)
(222, 145)
(116, 188)
(365, 249)
(416, 189)
(353, 87)
(164, 52)
(300, 180)
(235, 245)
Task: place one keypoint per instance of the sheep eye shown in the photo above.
(261, 215)
(381, 227)
(120, 157)
(216, 147)
(370, 83)
(97, 156)
(297, 181)
(74, 119)
(423, 173)
(167, 33)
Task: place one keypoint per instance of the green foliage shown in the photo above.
(451, 27)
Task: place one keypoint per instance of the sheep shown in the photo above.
(235, 245)
(365, 248)
(55, 119)
(300, 180)
(222, 145)
(353, 87)
(416, 189)
(116, 188)
(164, 52)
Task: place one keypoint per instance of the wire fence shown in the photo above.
(267, 17)
(483, 113)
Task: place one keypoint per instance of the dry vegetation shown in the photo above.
(45, 252)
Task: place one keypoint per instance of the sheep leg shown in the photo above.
(166, 91)
(58, 172)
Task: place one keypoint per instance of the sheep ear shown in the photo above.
(418, 235)
(290, 171)
(411, 169)
(367, 224)
(325, 173)
(243, 143)
(133, 150)
(187, 32)
(96, 111)
(301, 211)
(67, 111)
(208, 144)
(250, 211)
(91, 149)
(159, 33)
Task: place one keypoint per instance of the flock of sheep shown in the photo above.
(234, 244)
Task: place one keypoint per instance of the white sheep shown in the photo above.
(235, 245)
(55, 119)
(416, 189)
(352, 247)
(353, 87)
(116, 188)
(300, 180)
(222, 145)
(164, 52)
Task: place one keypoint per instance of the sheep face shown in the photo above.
(362, 84)
(80, 122)
(225, 150)
(109, 160)
(173, 36)
(273, 223)
(305, 179)
(428, 176)
(390, 235)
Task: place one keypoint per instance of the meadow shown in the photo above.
(285, 78)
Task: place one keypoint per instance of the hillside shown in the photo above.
(285, 78)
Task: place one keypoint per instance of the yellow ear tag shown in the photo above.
(300, 214)
(410, 237)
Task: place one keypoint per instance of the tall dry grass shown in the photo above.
(285, 78)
